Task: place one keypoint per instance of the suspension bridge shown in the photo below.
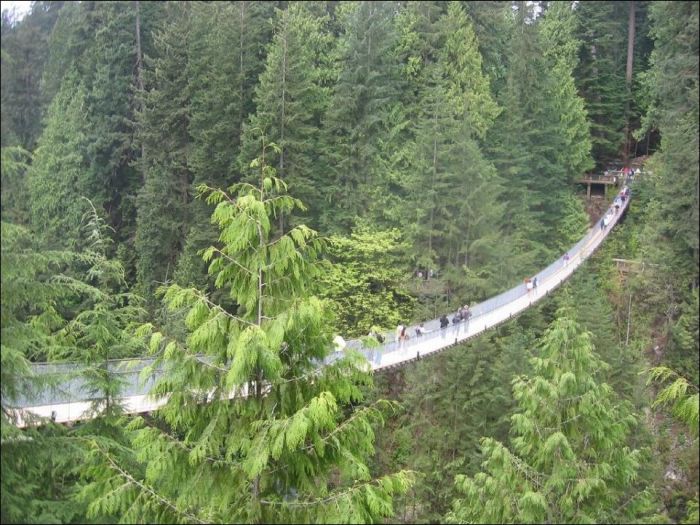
(71, 400)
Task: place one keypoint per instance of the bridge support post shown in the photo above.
(588, 191)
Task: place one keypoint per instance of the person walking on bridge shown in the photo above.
(466, 315)
(402, 334)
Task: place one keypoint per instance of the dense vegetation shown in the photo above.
(225, 186)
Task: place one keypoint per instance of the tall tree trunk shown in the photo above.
(284, 101)
(432, 184)
(628, 77)
(241, 71)
(139, 72)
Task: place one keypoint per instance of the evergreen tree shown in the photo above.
(225, 57)
(25, 48)
(100, 330)
(361, 105)
(569, 460)
(365, 282)
(14, 205)
(450, 191)
(286, 452)
(92, 77)
(539, 142)
(675, 101)
(34, 487)
(59, 171)
(560, 47)
(162, 202)
(600, 74)
(290, 100)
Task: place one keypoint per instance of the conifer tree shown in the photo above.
(163, 131)
(92, 76)
(561, 47)
(290, 100)
(355, 125)
(14, 205)
(675, 167)
(286, 451)
(59, 170)
(453, 190)
(100, 330)
(34, 465)
(600, 74)
(539, 143)
(365, 283)
(25, 50)
(569, 460)
(225, 57)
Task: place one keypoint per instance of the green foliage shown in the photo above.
(573, 224)
(674, 110)
(427, 135)
(59, 169)
(85, 147)
(569, 461)
(291, 98)
(355, 125)
(450, 210)
(25, 50)
(600, 74)
(678, 394)
(225, 56)
(365, 282)
(162, 202)
(561, 47)
(294, 449)
(39, 296)
(100, 331)
(14, 192)
(38, 475)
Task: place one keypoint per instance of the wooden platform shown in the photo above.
(609, 179)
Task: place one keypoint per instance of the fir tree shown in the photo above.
(59, 170)
(290, 100)
(162, 202)
(453, 190)
(600, 74)
(25, 50)
(569, 461)
(225, 57)
(355, 124)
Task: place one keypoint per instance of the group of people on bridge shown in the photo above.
(618, 202)
(403, 331)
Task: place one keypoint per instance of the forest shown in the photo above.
(226, 187)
